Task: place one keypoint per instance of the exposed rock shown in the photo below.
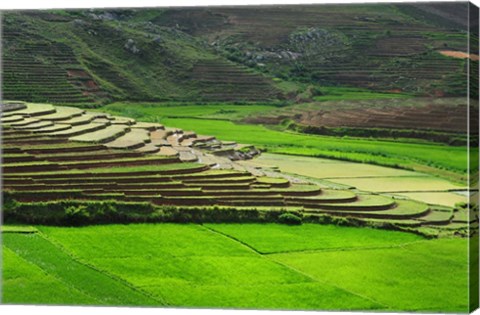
(131, 47)
(158, 39)
(105, 16)
(93, 16)
(108, 16)
(79, 22)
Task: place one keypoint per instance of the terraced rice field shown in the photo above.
(225, 81)
(401, 184)
(47, 77)
(414, 185)
(262, 266)
(391, 54)
(114, 131)
(451, 118)
(116, 208)
(441, 198)
(82, 166)
(244, 123)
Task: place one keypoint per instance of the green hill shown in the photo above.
(238, 54)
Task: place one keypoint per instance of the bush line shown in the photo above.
(80, 212)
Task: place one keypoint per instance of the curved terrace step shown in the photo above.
(108, 134)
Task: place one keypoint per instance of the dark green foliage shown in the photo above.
(83, 212)
(290, 219)
(9, 203)
(76, 215)
(77, 212)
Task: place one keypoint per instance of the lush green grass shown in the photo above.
(272, 238)
(150, 111)
(80, 279)
(26, 283)
(188, 265)
(429, 276)
(17, 229)
(222, 265)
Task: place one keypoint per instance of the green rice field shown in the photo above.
(264, 266)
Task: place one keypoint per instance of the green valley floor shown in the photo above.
(263, 266)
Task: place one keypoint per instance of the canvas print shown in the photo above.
(281, 157)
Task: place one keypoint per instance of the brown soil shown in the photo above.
(442, 118)
(427, 115)
(91, 84)
(459, 54)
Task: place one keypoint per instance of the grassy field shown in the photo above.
(269, 239)
(442, 160)
(436, 281)
(79, 283)
(263, 266)
(150, 111)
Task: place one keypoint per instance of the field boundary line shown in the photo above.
(234, 239)
(93, 267)
(292, 268)
(59, 279)
(327, 283)
(345, 249)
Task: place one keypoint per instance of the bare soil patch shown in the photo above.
(459, 54)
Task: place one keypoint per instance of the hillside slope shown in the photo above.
(229, 53)
(383, 47)
(81, 57)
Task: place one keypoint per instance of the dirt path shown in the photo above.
(459, 54)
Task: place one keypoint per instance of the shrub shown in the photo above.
(77, 215)
(106, 210)
(289, 218)
(9, 204)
